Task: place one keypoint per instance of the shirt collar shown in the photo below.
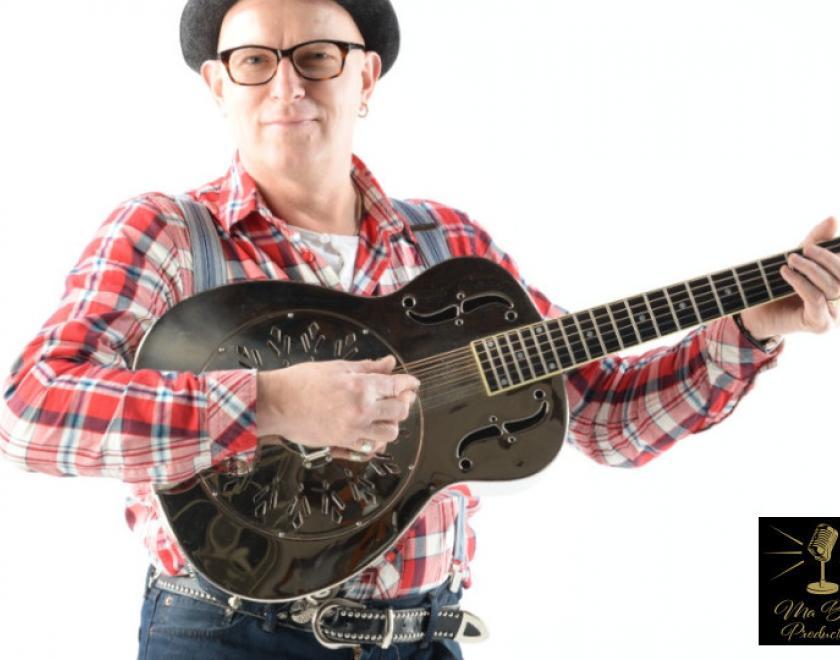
(235, 196)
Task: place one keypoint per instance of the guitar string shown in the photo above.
(705, 300)
(430, 365)
(701, 299)
(466, 366)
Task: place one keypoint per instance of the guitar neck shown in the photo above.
(533, 352)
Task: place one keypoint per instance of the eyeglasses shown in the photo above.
(313, 60)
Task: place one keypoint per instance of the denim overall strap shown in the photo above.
(460, 549)
(434, 249)
(208, 259)
(430, 238)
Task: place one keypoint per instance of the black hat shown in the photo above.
(201, 23)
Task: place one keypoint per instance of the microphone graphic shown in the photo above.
(820, 547)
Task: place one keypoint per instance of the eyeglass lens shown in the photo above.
(254, 65)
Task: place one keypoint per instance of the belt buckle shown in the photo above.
(353, 639)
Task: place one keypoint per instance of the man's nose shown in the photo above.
(287, 84)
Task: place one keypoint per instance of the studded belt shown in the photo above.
(339, 622)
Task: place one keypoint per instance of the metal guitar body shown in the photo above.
(303, 522)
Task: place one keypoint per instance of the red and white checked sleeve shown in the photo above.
(625, 410)
(73, 406)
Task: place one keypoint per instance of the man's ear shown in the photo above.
(211, 73)
(371, 71)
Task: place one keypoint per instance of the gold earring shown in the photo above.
(364, 110)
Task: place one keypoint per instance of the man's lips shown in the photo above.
(288, 121)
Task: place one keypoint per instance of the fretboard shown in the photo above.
(530, 353)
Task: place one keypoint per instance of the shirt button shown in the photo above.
(308, 257)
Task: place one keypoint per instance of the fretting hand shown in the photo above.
(815, 277)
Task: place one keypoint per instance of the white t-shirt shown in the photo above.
(338, 250)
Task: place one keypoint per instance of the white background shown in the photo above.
(611, 147)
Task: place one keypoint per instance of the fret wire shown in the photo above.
(598, 332)
(632, 321)
(527, 355)
(714, 293)
(546, 332)
(624, 325)
(589, 337)
(481, 348)
(489, 344)
(607, 329)
(775, 274)
(583, 339)
(537, 346)
(499, 360)
(514, 358)
(653, 321)
(741, 290)
(490, 358)
(746, 276)
(673, 309)
(665, 318)
(615, 325)
(507, 381)
(533, 332)
(727, 293)
(685, 306)
(566, 340)
(671, 306)
(694, 303)
(647, 331)
(516, 355)
(569, 326)
(764, 277)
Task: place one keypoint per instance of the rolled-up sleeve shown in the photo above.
(624, 411)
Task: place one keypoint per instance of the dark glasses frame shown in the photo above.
(344, 46)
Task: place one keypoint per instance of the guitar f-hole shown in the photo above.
(504, 432)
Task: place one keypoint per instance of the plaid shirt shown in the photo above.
(73, 406)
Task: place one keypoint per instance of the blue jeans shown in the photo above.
(175, 627)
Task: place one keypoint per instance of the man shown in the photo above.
(290, 178)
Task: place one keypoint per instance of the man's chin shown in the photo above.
(288, 155)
